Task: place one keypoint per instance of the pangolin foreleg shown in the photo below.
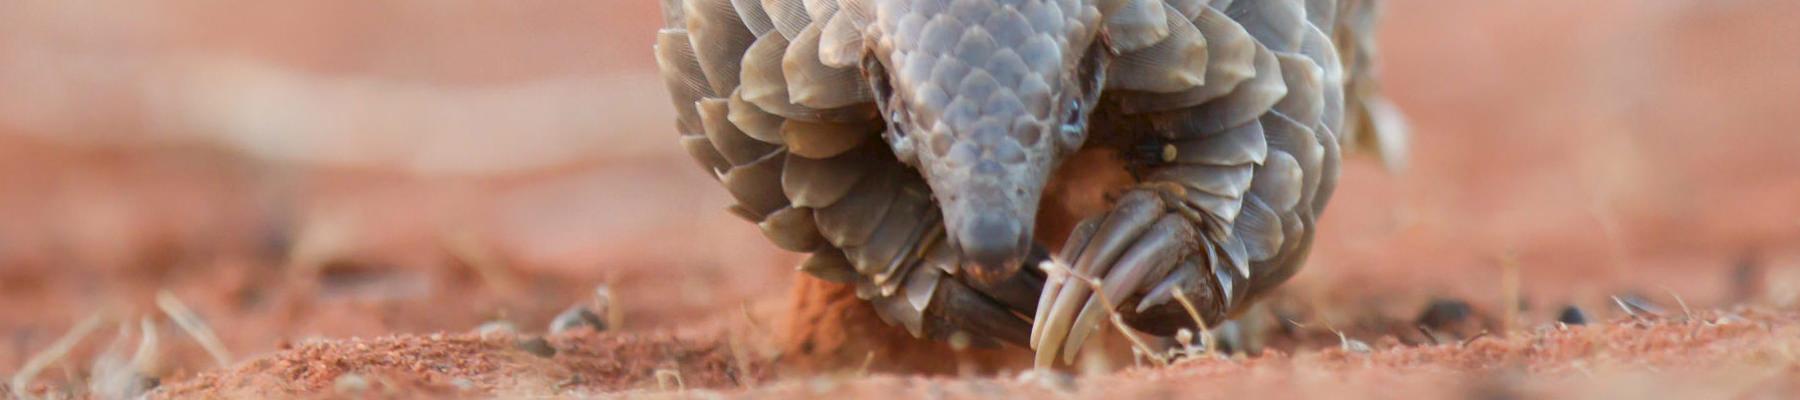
(1230, 186)
(1151, 244)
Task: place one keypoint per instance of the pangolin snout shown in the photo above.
(989, 218)
(994, 243)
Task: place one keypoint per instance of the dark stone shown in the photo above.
(576, 317)
(1572, 315)
(536, 346)
(1443, 314)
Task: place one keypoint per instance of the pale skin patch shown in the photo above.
(1082, 187)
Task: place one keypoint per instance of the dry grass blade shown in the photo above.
(1629, 310)
(1509, 292)
(1211, 345)
(1429, 335)
(146, 356)
(113, 376)
(1472, 339)
(735, 342)
(1685, 311)
(868, 362)
(1119, 322)
(194, 326)
(56, 352)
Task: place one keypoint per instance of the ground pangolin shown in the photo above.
(935, 153)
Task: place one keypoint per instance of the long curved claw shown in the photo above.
(1111, 234)
(1186, 279)
(1119, 230)
(1054, 279)
(1165, 291)
(1156, 252)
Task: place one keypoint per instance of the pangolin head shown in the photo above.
(985, 98)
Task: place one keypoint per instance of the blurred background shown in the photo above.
(296, 170)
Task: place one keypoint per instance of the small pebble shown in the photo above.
(1729, 318)
(1572, 315)
(1441, 314)
(536, 346)
(491, 328)
(1353, 345)
(145, 384)
(462, 383)
(350, 383)
(577, 317)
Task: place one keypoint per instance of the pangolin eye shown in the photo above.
(1075, 121)
(1091, 73)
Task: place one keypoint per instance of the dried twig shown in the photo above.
(115, 377)
(1343, 341)
(1211, 344)
(735, 343)
(195, 327)
(1429, 335)
(1627, 307)
(54, 353)
(1509, 292)
(868, 361)
(1119, 321)
(146, 356)
(1471, 339)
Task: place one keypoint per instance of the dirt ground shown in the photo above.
(394, 200)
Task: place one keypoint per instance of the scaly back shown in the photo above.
(776, 99)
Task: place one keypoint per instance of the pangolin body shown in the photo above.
(905, 145)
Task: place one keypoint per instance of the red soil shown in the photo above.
(1563, 153)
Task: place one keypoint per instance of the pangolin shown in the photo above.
(907, 147)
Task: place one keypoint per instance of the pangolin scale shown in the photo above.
(905, 146)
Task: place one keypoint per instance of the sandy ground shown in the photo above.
(1565, 154)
